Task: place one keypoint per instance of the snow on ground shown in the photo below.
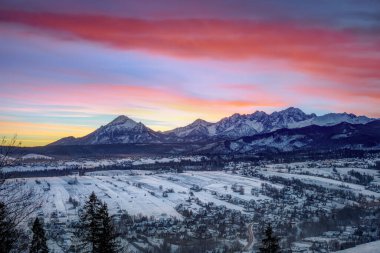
(371, 247)
(6, 158)
(88, 164)
(325, 182)
(33, 167)
(217, 182)
(139, 191)
(142, 191)
(36, 157)
(168, 159)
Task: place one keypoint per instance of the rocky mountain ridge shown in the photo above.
(124, 130)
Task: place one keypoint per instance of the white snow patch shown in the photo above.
(36, 156)
(371, 247)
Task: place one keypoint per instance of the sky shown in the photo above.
(68, 67)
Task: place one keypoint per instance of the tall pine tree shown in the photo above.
(269, 242)
(39, 240)
(107, 234)
(96, 230)
(88, 230)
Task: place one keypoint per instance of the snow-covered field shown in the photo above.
(371, 247)
(133, 191)
(141, 192)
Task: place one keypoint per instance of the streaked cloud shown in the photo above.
(336, 54)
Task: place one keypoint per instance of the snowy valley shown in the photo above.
(205, 204)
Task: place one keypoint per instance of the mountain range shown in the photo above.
(341, 136)
(235, 129)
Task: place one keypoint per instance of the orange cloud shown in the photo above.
(35, 134)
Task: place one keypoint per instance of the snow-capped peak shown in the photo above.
(200, 122)
(259, 114)
(198, 128)
(121, 130)
(122, 121)
(292, 113)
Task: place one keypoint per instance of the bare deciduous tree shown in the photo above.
(7, 147)
(17, 200)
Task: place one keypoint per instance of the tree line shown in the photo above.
(95, 233)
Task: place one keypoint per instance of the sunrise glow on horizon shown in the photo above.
(68, 67)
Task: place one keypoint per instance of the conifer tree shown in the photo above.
(96, 230)
(107, 234)
(88, 230)
(39, 240)
(8, 233)
(269, 242)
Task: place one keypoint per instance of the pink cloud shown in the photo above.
(338, 55)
